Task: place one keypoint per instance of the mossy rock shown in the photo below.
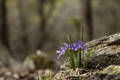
(106, 52)
(112, 72)
(38, 61)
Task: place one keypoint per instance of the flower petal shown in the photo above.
(59, 55)
(58, 51)
(80, 43)
(84, 47)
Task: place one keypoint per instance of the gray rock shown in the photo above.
(112, 72)
(106, 52)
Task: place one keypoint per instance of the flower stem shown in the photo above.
(72, 60)
(79, 58)
(82, 34)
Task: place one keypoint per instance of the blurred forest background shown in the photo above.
(30, 25)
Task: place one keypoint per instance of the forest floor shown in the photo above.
(6, 74)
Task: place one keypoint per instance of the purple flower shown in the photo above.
(61, 52)
(80, 44)
(74, 46)
(67, 46)
(85, 48)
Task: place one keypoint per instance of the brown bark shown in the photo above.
(23, 23)
(43, 24)
(4, 29)
(5, 51)
(4, 38)
(87, 17)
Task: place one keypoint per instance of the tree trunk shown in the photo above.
(43, 24)
(5, 51)
(22, 17)
(4, 28)
(87, 17)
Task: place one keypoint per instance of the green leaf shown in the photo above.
(88, 57)
(79, 58)
(68, 38)
(76, 21)
(71, 60)
(48, 78)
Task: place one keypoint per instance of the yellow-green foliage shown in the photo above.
(44, 78)
(39, 61)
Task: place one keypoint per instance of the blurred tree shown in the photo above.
(4, 43)
(4, 29)
(17, 29)
(23, 23)
(43, 23)
(12, 37)
(87, 17)
(44, 16)
(0, 18)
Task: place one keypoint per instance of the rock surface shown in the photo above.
(105, 56)
(106, 51)
(110, 73)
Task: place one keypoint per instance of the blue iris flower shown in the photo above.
(61, 52)
(67, 46)
(73, 46)
(80, 44)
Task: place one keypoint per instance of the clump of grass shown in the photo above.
(74, 50)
